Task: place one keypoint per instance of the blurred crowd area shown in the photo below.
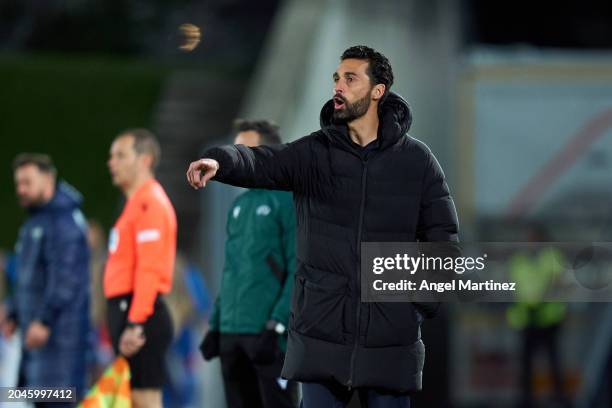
(514, 100)
(189, 304)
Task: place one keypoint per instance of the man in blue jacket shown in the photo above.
(51, 301)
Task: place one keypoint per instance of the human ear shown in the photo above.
(378, 91)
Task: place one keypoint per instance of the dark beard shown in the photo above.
(352, 111)
(31, 204)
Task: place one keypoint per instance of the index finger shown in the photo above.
(196, 174)
(191, 173)
(188, 174)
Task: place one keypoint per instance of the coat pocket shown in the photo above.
(392, 324)
(320, 304)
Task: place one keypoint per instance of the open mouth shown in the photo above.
(338, 102)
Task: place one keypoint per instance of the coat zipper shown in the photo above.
(364, 174)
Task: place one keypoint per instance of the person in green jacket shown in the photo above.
(539, 322)
(249, 318)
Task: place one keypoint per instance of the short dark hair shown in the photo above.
(43, 162)
(268, 131)
(379, 69)
(144, 142)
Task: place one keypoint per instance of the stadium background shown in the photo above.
(513, 98)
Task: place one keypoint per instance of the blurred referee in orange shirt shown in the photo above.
(142, 248)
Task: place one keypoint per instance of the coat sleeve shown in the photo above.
(438, 220)
(67, 256)
(280, 312)
(277, 167)
(437, 216)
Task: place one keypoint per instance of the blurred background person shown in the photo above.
(139, 270)
(51, 300)
(249, 319)
(102, 351)
(3, 276)
(96, 239)
(10, 345)
(539, 322)
(189, 304)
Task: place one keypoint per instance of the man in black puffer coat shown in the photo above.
(360, 178)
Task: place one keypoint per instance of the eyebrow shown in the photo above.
(346, 74)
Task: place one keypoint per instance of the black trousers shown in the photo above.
(333, 395)
(148, 366)
(534, 340)
(249, 384)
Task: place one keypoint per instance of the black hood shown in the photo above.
(395, 119)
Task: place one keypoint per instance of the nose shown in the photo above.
(339, 87)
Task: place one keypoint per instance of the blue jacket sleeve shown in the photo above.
(67, 257)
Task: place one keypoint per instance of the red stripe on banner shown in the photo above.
(528, 196)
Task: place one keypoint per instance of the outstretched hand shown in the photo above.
(200, 171)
